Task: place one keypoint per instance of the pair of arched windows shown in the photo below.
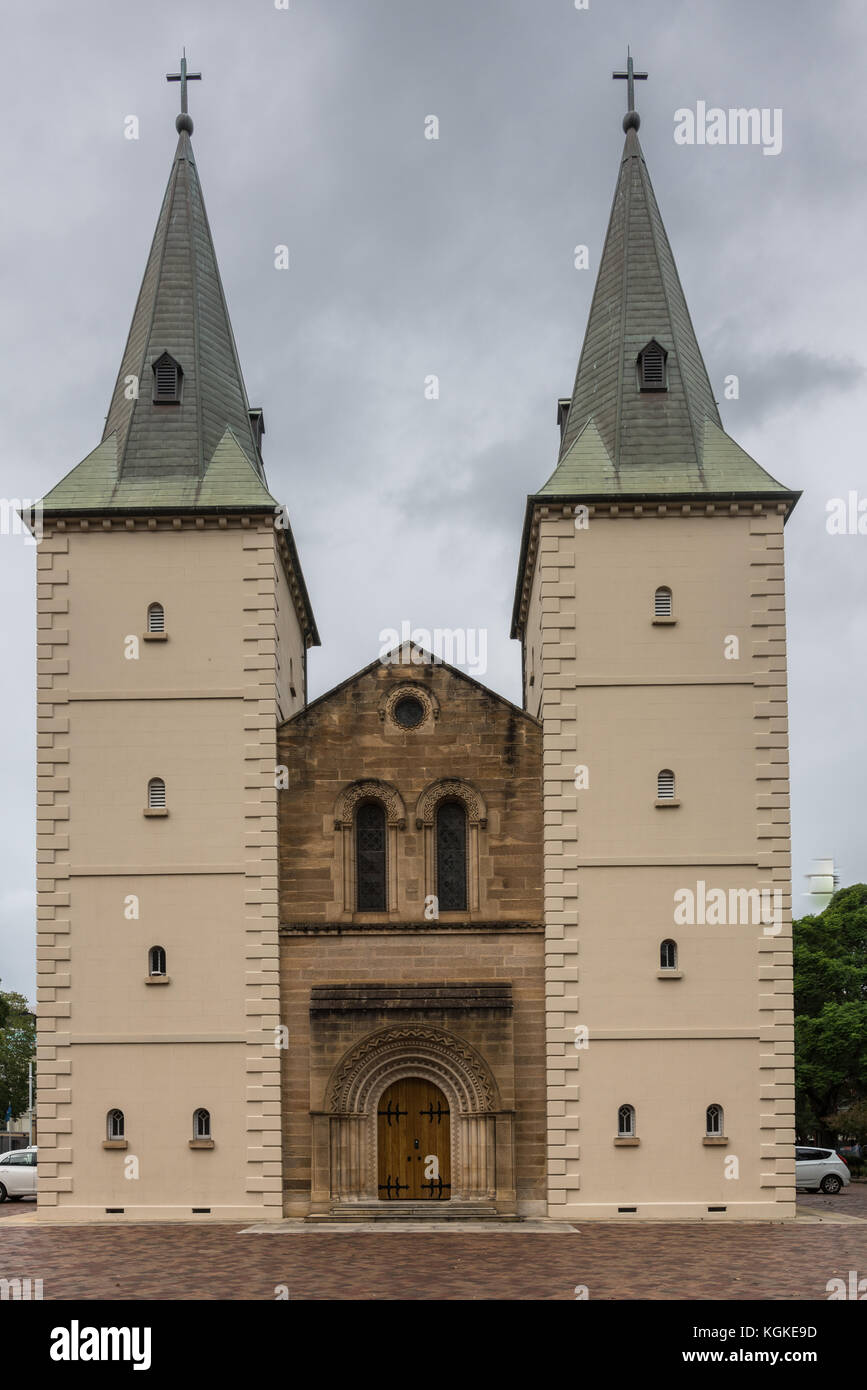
(668, 955)
(116, 1124)
(626, 1122)
(157, 960)
(450, 857)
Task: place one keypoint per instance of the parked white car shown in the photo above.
(18, 1174)
(820, 1170)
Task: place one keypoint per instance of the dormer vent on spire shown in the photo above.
(651, 367)
(168, 376)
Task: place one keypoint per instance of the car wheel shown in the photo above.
(831, 1183)
(2, 1193)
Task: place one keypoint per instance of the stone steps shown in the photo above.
(412, 1211)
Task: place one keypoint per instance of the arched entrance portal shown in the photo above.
(413, 1142)
(451, 1090)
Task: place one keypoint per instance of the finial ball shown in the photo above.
(631, 121)
(184, 122)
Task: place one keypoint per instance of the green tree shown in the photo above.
(851, 1122)
(17, 1048)
(830, 983)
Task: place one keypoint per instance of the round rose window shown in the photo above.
(408, 712)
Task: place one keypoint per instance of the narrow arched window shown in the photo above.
(371, 892)
(626, 1122)
(662, 605)
(668, 955)
(167, 380)
(651, 367)
(156, 618)
(201, 1124)
(156, 961)
(114, 1127)
(156, 793)
(451, 856)
(665, 785)
(714, 1121)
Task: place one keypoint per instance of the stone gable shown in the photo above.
(350, 736)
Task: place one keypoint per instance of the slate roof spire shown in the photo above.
(196, 446)
(181, 310)
(619, 438)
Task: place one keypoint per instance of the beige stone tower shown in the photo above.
(651, 610)
(173, 626)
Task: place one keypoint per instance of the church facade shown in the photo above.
(408, 950)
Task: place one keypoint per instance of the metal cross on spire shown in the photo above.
(184, 122)
(631, 77)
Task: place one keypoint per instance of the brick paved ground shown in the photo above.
(852, 1201)
(725, 1261)
(27, 1204)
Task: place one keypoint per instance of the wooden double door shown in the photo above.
(413, 1142)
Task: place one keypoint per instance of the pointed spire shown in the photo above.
(618, 437)
(639, 299)
(179, 430)
(181, 311)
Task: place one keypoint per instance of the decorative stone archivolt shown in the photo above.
(391, 1053)
(370, 789)
(451, 789)
(409, 690)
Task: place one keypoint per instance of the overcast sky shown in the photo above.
(454, 257)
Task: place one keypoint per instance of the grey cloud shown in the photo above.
(784, 381)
